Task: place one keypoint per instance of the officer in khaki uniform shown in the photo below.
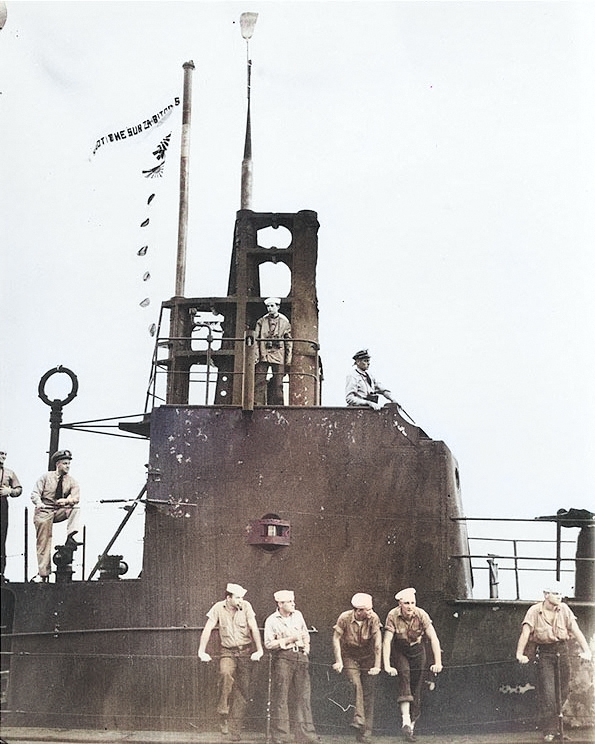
(56, 497)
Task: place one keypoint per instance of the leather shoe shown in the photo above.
(408, 734)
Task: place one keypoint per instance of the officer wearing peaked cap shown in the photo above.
(361, 388)
(61, 455)
(357, 647)
(406, 628)
(238, 635)
(286, 636)
(56, 497)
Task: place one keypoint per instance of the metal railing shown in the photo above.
(510, 558)
(204, 377)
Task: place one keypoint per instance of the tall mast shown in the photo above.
(184, 174)
(178, 377)
(247, 23)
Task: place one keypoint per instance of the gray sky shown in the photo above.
(448, 149)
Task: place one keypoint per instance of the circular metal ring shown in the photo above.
(71, 395)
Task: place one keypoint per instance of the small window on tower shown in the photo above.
(270, 532)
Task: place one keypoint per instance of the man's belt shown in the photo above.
(551, 648)
(405, 642)
(295, 649)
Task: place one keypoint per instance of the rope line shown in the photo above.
(132, 657)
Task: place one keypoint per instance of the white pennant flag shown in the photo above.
(143, 127)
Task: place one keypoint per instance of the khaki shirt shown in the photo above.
(356, 634)
(45, 489)
(412, 630)
(276, 626)
(360, 384)
(542, 630)
(8, 478)
(234, 629)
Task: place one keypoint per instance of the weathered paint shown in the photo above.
(370, 510)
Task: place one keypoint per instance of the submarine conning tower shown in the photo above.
(327, 501)
(242, 307)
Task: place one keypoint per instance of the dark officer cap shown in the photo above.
(61, 455)
(363, 354)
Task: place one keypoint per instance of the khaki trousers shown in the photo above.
(44, 519)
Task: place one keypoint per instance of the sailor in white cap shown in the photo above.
(551, 625)
(361, 388)
(241, 644)
(406, 628)
(286, 636)
(56, 497)
(274, 350)
(357, 645)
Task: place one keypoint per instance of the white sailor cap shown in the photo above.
(362, 601)
(553, 587)
(236, 590)
(407, 595)
(284, 595)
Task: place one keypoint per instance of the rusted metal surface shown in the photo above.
(370, 500)
(352, 483)
(105, 661)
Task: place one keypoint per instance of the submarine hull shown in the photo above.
(324, 501)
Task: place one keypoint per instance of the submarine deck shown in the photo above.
(25, 735)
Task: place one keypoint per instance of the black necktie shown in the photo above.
(60, 488)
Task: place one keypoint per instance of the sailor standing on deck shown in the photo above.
(238, 634)
(274, 349)
(56, 497)
(361, 388)
(9, 486)
(551, 624)
(408, 625)
(357, 645)
(286, 636)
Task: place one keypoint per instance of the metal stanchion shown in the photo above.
(26, 545)
(270, 683)
(558, 688)
(248, 369)
(84, 551)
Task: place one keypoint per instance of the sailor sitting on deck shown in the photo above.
(361, 389)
